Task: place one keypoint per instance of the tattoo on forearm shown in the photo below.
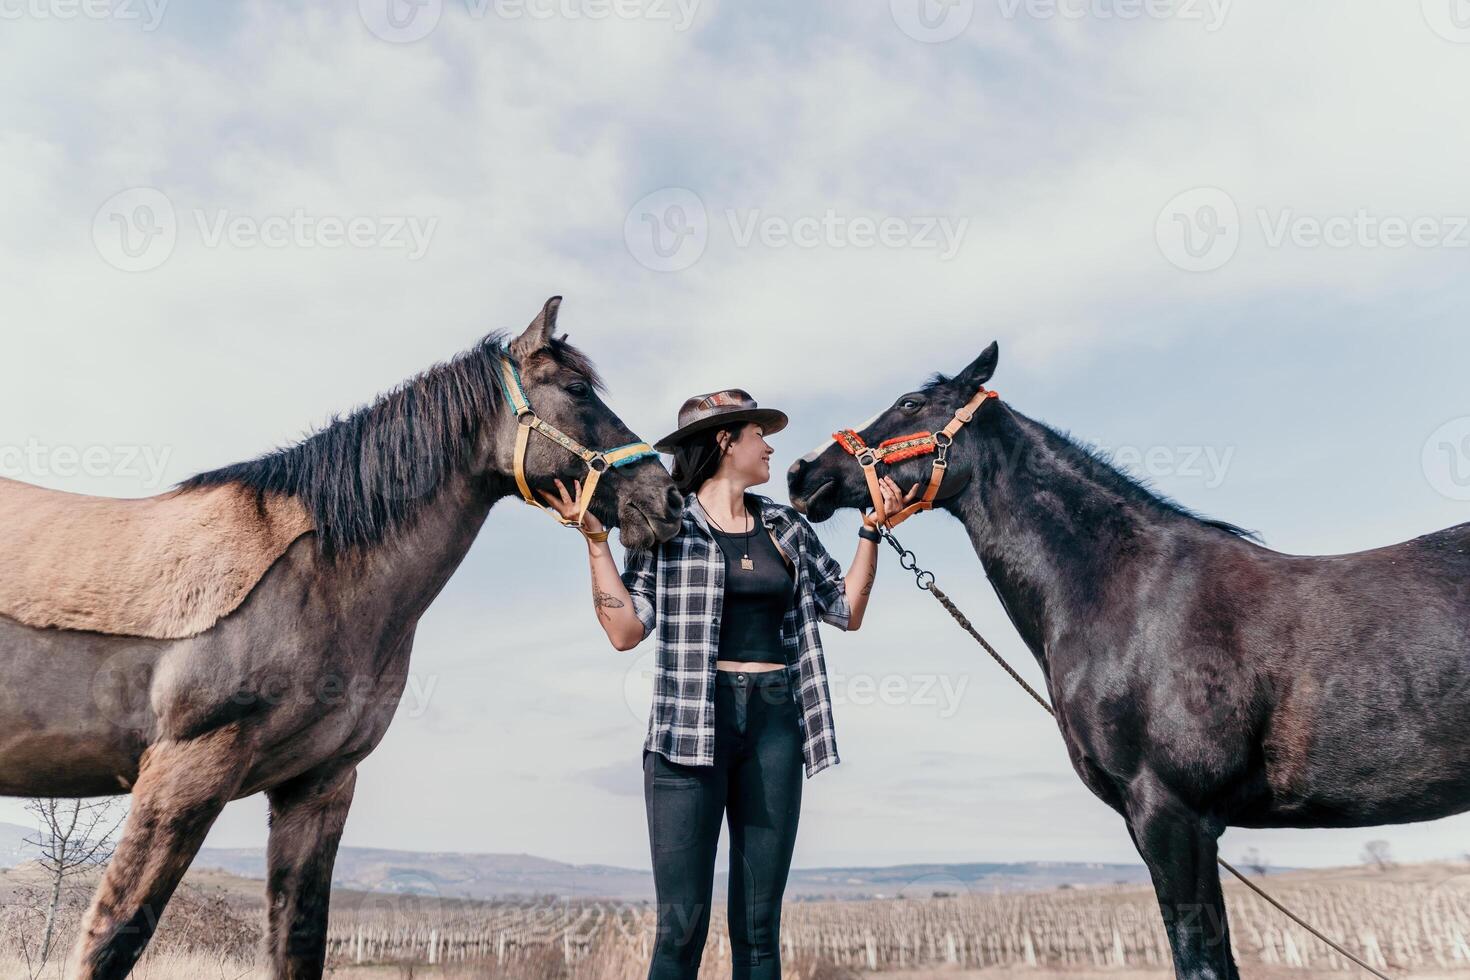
(868, 586)
(606, 600)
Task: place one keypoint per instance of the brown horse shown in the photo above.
(298, 679)
(1200, 680)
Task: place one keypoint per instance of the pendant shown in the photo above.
(747, 564)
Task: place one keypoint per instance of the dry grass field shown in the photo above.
(1410, 921)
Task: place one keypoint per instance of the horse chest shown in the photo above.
(1092, 767)
(336, 711)
(1119, 719)
(1093, 754)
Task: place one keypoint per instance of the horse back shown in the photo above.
(1359, 684)
(164, 567)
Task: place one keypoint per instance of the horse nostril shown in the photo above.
(675, 499)
(793, 475)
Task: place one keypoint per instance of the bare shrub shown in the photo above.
(1377, 855)
(200, 923)
(807, 967)
(1255, 862)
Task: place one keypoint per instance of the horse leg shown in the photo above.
(307, 816)
(181, 788)
(1180, 847)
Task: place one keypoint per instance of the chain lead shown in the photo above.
(909, 561)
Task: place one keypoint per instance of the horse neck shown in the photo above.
(401, 575)
(1055, 530)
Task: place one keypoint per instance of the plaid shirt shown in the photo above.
(679, 588)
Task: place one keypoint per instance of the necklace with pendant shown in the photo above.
(746, 563)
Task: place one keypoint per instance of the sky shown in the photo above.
(1227, 241)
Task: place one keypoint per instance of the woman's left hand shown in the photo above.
(894, 499)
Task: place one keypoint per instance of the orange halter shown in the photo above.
(900, 448)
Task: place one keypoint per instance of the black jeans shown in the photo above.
(756, 783)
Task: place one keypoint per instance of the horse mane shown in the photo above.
(366, 475)
(1097, 463)
(1101, 466)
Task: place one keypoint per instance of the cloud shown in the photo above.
(619, 779)
(1055, 142)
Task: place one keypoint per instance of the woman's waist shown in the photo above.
(737, 674)
(752, 632)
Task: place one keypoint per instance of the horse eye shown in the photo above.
(909, 405)
(579, 388)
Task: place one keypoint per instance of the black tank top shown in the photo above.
(756, 598)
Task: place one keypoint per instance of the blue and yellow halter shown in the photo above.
(598, 462)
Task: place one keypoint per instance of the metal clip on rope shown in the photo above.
(909, 561)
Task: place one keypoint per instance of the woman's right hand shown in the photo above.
(565, 504)
(610, 596)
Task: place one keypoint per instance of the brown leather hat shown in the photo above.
(720, 408)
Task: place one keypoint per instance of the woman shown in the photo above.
(740, 688)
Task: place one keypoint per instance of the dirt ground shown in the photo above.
(428, 973)
(1255, 973)
(204, 968)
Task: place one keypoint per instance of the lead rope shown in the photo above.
(925, 581)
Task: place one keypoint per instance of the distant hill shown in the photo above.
(13, 847)
(457, 875)
(453, 875)
(485, 876)
(924, 880)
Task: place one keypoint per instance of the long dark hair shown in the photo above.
(363, 476)
(697, 458)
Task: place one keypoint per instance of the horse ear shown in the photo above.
(538, 335)
(981, 368)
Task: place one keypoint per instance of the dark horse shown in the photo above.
(288, 693)
(1200, 680)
